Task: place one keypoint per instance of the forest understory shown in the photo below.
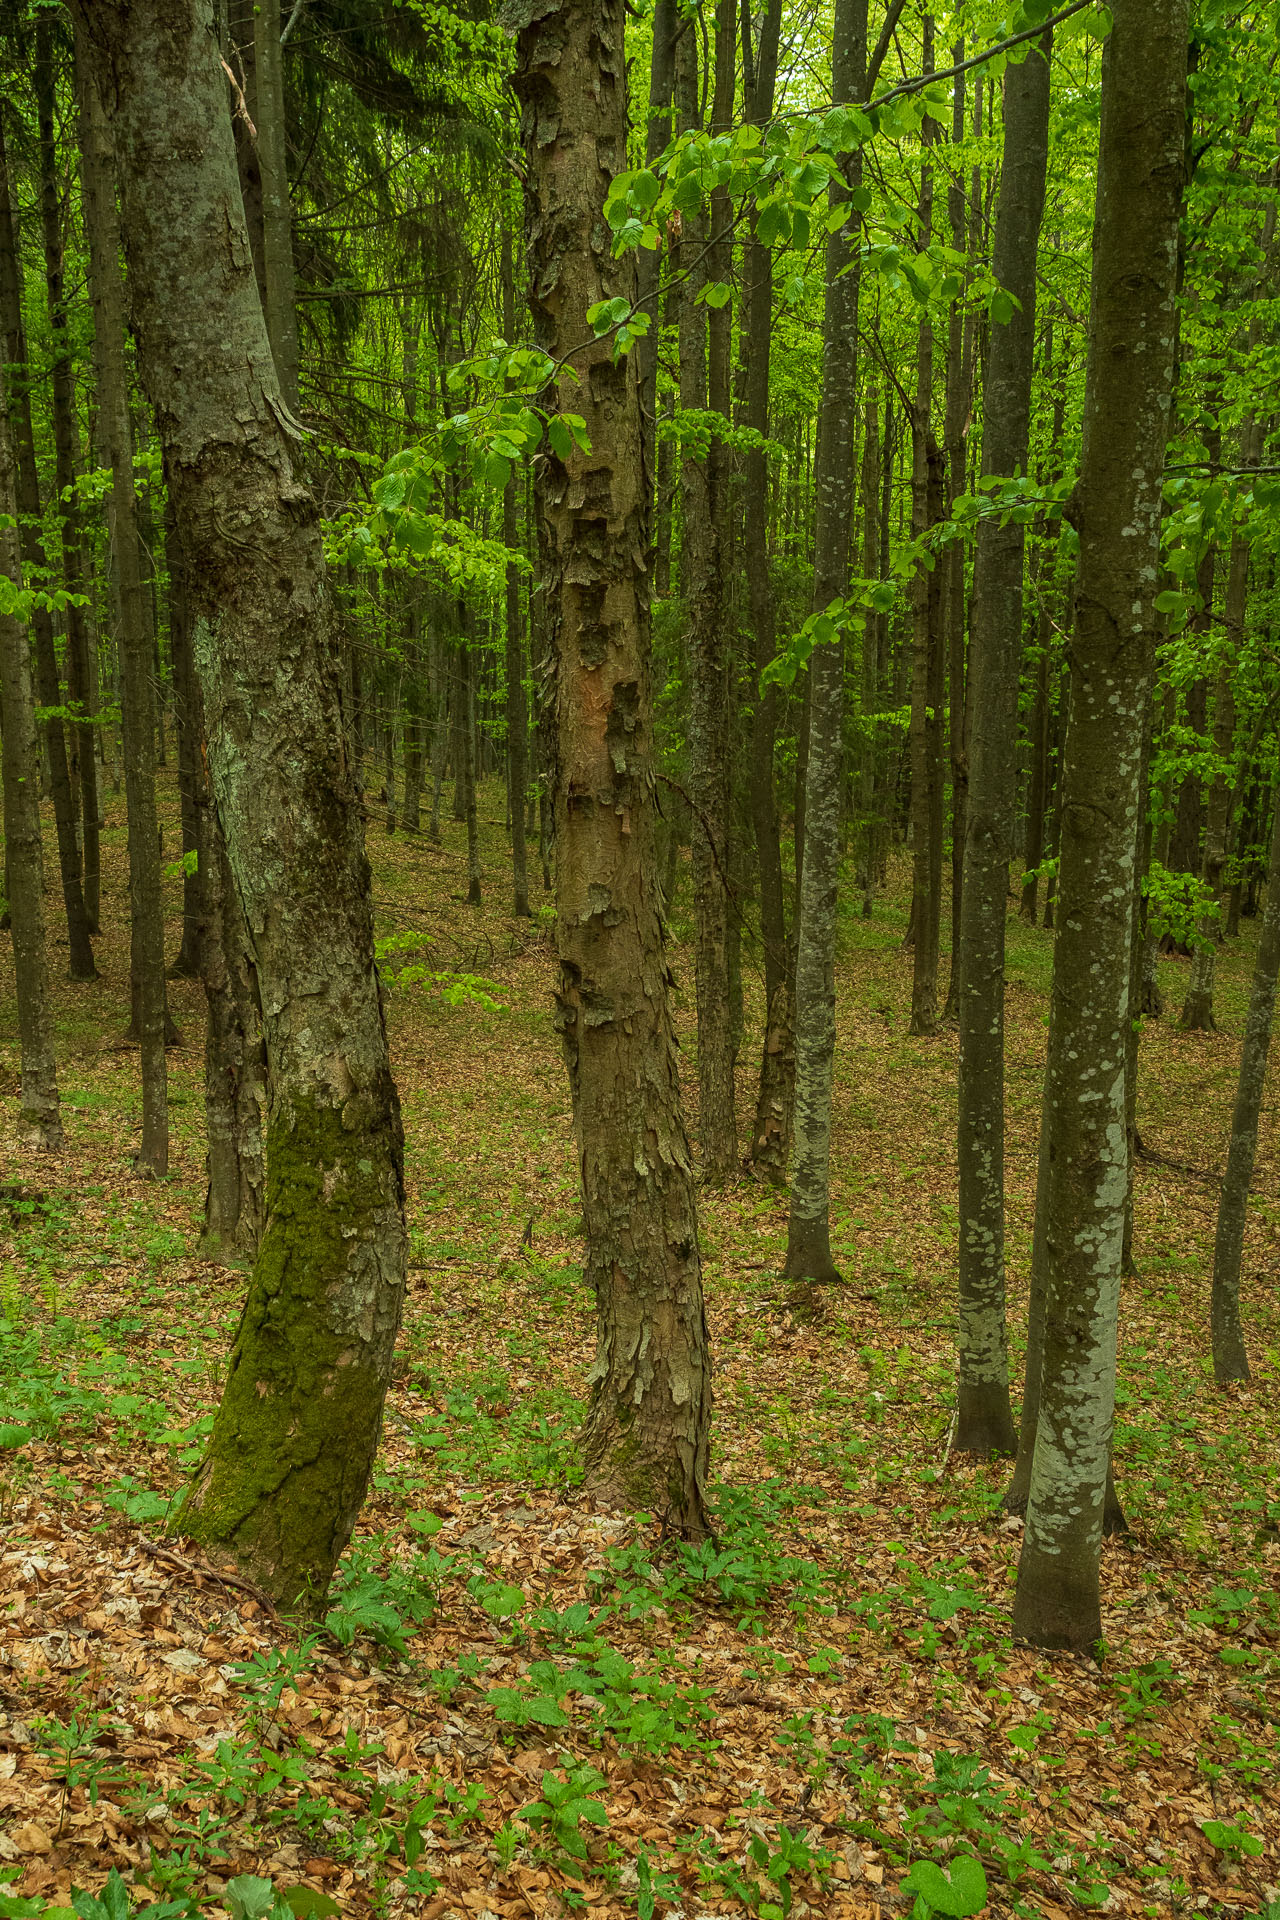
(518, 1705)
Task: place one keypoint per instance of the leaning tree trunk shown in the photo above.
(1230, 1358)
(294, 1438)
(41, 1118)
(984, 1423)
(1116, 509)
(26, 479)
(648, 1428)
(146, 907)
(835, 494)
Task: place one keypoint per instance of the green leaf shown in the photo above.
(249, 1896)
(307, 1903)
(961, 1893)
(559, 437)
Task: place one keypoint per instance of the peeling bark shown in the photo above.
(647, 1433)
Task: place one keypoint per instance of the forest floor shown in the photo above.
(520, 1706)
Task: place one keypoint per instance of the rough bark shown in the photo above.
(193, 799)
(984, 1416)
(27, 495)
(1116, 509)
(39, 1113)
(294, 1438)
(1230, 1356)
(958, 404)
(149, 1000)
(647, 1432)
(835, 493)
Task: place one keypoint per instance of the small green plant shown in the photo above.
(1234, 1842)
(565, 1804)
(959, 1893)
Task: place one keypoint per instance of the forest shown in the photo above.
(639, 1210)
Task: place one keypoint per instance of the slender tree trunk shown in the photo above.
(702, 571)
(40, 1114)
(1230, 1356)
(146, 909)
(648, 1429)
(69, 512)
(984, 1416)
(1038, 783)
(835, 492)
(1116, 509)
(517, 708)
(958, 404)
(193, 804)
(867, 785)
(667, 30)
(294, 1438)
(926, 715)
(27, 494)
(771, 1135)
(466, 769)
(277, 214)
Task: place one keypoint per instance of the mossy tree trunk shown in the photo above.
(1116, 509)
(294, 1438)
(648, 1429)
(984, 1416)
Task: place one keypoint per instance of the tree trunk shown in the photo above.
(702, 571)
(40, 1115)
(1116, 509)
(1230, 1357)
(835, 494)
(517, 708)
(277, 214)
(466, 769)
(958, 405)
(294, 1438)
(771, 1135)
(648, 1429)
(927, 492)
(70, 514)
(149, 1000)
(192, 785)
(985, 1418)
(27, 494)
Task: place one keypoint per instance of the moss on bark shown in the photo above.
(290, 1453)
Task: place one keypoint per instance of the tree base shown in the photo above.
(984, 1425)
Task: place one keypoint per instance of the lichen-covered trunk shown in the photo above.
(40, 1114)
(926, 716)
(1230, 1356)
(647, 1432)
(26, 485)
(984, 1416)
(293, 1441)
(133, 641)
(1116, 508)
(835, 494)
